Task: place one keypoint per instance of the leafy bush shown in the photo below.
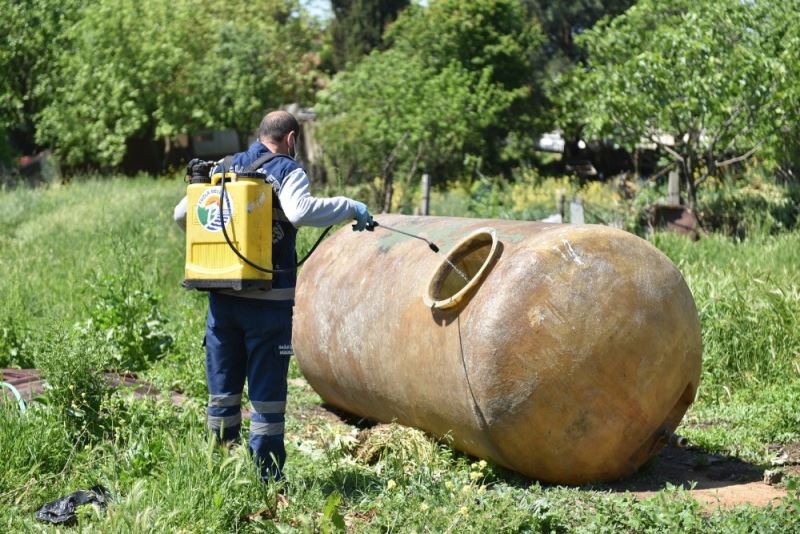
(72, 363)
(751, 205)
(128, 317)
(533, 197)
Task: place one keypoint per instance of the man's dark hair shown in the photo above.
(277, 125)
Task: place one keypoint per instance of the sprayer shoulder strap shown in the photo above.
(257, 164)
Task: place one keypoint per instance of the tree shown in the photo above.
(714, 76)
(458, 79)
(31, 34)
(150, 69)
(393, 115)
(358, 27)
(562, 21)
(496, 38)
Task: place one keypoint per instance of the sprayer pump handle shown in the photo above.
(371, 225)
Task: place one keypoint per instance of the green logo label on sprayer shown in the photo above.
(208, 209)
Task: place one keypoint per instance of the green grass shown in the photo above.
(97, 253)
(748, 298)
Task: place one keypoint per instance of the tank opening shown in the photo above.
(462, 269)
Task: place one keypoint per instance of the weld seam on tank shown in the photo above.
(483, 423)
(457, 298)
(546, 350)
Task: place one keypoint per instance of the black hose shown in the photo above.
(241, 256)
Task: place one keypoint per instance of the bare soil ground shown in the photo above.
(714, 480)
(31, 385)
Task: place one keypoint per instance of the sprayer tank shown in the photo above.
(570, 353)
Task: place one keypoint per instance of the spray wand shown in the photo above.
(372, 224)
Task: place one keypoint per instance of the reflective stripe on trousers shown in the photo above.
(225, 422)
(246, 339)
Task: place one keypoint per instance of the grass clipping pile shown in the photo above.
(401, 444)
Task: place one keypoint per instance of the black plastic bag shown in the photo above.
(62, 511)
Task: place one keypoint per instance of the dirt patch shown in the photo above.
(714, 480)
(313, 414)
(30, 385)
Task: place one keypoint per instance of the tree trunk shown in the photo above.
(388, 175)
(388, 191)
(691, 193)
(689, 163)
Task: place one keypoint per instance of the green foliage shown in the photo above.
(562, 21)
(748, 296)
(358, 26)
(34, 446)
(752, 205)
(72, 363)
(32, 37)
(497, 40)
(493, 35)
(332, 519)
(741, 420)
(150, 70)
(15, 342)
(717, 76)
(127, 316)
(392, 115)
(531, 196)
(453, 74)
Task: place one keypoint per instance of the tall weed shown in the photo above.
(33, 446)
(748, 297)
(72, 362)
(128, 317)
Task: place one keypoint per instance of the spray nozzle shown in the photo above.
(373, 224)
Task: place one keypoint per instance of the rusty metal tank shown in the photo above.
(570, 353)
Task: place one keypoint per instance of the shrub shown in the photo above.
(531, 196)
(752, 205)
(72, 361)
(128, 317)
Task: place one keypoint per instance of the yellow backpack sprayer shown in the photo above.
(229, 227)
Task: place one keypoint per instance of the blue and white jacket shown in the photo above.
(295, 207)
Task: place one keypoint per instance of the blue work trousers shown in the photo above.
(249, 339)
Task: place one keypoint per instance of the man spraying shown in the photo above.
(249, 332)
